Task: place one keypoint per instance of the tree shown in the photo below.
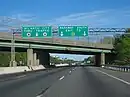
(55, 60)
(122, 48)
(91, 59)
(6, 58)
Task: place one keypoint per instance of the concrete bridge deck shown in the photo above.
(4, 36)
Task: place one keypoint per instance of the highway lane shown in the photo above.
(69, 82)
(87, 82)
(31, 84)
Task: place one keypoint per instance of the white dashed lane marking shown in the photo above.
(61, 78)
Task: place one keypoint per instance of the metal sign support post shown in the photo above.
(13, 51)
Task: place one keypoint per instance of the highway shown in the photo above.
(68, 82)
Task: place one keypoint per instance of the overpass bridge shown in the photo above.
(38, 49)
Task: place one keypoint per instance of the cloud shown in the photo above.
(16, 20)
(99, 18)
(24, 17)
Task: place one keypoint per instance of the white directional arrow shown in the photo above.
(61, 34)
(84, 33)
(36, 34)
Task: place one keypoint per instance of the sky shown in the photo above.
(94, 13)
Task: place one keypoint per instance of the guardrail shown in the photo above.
(118, 68)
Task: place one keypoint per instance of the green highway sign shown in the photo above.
(81, 30)
(36, 31)
(66, 31)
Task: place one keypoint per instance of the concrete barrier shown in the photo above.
(9, 70)
(38, 67)
(57, 65)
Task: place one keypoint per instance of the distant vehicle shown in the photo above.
(82, 63)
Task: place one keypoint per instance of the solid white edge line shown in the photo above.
(119, 79)
(61, 78)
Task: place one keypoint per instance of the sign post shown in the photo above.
(12, 51)
(14, 31)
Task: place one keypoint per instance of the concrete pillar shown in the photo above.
(29, 57)
(102, 58)
(37, 62)
(34, 59)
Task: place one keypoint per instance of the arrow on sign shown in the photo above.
(61, 34)
(84, 33)
(36, 34)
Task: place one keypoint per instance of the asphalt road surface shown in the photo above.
(68, 82)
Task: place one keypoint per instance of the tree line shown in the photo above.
(122, 48)
(58, 60)
(5, 58)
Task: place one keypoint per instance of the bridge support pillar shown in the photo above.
(35, 59)
(29, 57)
(102, 58)
(37, 62)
